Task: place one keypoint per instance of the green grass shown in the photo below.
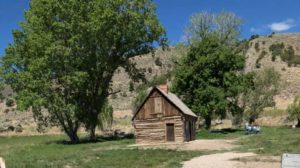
(220, 134)
(272, 141)
(48, 151)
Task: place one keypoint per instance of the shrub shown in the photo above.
(131, 86)
(276, 50)
(256, 46)
(254, 36)
(124, 94)
(264, 42)
(150, 70)
(288, 55)
(114, 96)
(158, 62)
(9, 102)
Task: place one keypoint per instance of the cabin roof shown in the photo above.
(171, 98)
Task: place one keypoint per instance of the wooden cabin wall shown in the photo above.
(151, 123)
(148, 109)
(154, 130)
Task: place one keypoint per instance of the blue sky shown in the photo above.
(260, 16)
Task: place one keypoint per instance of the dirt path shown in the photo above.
(194, 145)
(233, 160)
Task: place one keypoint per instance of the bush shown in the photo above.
(254, 37)
(256, 46)
(131, 86)
(124, 94)
(150, 70)
(10, 102)
(158, 62)
(276, 50)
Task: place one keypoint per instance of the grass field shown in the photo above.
(271, 140)
(49, 151)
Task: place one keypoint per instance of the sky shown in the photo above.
(260, 16)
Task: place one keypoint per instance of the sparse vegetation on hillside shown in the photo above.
(265, 86)
(131, 86)
(260, 57)
(158, 61)
(276, 50)
(287, 54)
(254, 36)
(142, 89)
(256, 46)
(9, 102)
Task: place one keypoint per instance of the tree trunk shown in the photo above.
(298, 124)
(73, 137)
(92, 133)
(207, 122)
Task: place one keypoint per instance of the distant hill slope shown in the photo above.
(290, 76)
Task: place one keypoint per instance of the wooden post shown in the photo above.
(2, 163)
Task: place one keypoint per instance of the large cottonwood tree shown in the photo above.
(66, 51)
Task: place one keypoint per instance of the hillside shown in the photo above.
(160, 64)
(290, 75)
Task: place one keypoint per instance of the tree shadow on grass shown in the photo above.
(226, 131)
(99, 139)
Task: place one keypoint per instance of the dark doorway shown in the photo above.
(170, 132)
(188, 131)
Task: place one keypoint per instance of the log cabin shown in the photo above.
(163, 117)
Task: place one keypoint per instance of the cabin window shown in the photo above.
(157, 105)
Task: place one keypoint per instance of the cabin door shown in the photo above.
(170, 132)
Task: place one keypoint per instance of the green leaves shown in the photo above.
(208, 78)
(66, 52)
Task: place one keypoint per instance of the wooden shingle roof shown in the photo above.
(171, 98)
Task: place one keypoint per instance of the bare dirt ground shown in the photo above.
(233, 160)
(219, 160)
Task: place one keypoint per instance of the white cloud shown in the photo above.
(282, 26)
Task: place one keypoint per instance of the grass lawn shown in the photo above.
(271, 140)
(220, 134)
(48, 151)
